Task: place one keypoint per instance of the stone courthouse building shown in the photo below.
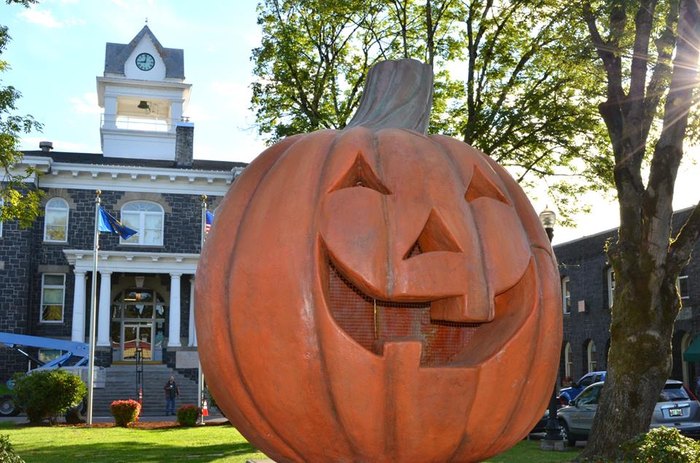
(588, 285)
(150, 181)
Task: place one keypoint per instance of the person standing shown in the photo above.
(171, 393)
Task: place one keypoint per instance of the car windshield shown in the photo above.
(673, 392)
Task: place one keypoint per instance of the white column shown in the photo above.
(192, 332)
(174, 331)
(110, 114)
(175, 113)
(103, 318)
(78, 323)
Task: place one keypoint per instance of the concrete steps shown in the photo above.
(121, 385)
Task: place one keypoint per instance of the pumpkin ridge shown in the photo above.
(283, 149)
(319, 261)
(497, 445)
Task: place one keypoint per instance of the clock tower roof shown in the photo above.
(116, 55)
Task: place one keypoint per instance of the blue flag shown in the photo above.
(107, 223)
(209, 220)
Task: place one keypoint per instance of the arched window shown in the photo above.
(568, 360)
(565, 295)
(592, 355)
(56, 220)
(611, 286)
(147, 219)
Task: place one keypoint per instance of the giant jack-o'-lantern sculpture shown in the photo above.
(378, 295)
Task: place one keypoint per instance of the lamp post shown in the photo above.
(553, 439)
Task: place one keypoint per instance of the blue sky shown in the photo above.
(57, 51)
(58, 47)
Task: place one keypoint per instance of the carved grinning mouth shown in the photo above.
(373, 323)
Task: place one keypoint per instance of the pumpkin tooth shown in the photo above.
(372, 323)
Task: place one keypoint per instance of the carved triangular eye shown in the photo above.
(481, 186)
(361, 175)
(434, 237)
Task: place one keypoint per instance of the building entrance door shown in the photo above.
(137, 335)
(138, 320)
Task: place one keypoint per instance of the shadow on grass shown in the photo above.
(125, 451)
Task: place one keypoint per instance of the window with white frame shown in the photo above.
(683, 289)
(146, 218)
(53, 290)
(565, 295)
(47, 355)
(611, 286)
(568, 361)
(56, 220)
(592, 355)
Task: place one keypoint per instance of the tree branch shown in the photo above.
(658, 83)
(682, 246)
(669, 148)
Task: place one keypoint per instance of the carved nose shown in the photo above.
(434, 237)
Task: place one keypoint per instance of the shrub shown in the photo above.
(661, 444)
(7, 452)
(125, 412)
(187, 415)
(46, 394)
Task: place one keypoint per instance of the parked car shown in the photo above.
(675, 408)
(567, 394)
(541, 425)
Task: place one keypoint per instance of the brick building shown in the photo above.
(148, 179)
(587, 288)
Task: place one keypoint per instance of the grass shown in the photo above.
(67, 444)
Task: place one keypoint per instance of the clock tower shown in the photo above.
(144, 96)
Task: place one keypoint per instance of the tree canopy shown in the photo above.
(19, 200)
(512, 78)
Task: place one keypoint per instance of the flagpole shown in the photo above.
(200, 375)
(93, 311)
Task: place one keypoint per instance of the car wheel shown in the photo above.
(566, 434)
(8, 407)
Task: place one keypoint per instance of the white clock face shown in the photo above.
(145, 61)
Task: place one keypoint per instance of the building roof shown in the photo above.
(678, 219)
(100, 159)
(116, 55)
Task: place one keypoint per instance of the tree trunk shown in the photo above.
(640, 359)
(646, 260)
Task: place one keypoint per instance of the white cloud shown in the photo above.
(46, 18)
(41, 17)
(85, 104)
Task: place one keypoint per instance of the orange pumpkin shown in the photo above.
(375, 294)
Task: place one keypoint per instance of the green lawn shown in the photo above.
(68, 444)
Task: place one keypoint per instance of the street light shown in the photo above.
(548, 219)
(553, 439)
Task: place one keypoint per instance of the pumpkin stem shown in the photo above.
(398, 94)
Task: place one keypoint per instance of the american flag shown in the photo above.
(208, 222)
